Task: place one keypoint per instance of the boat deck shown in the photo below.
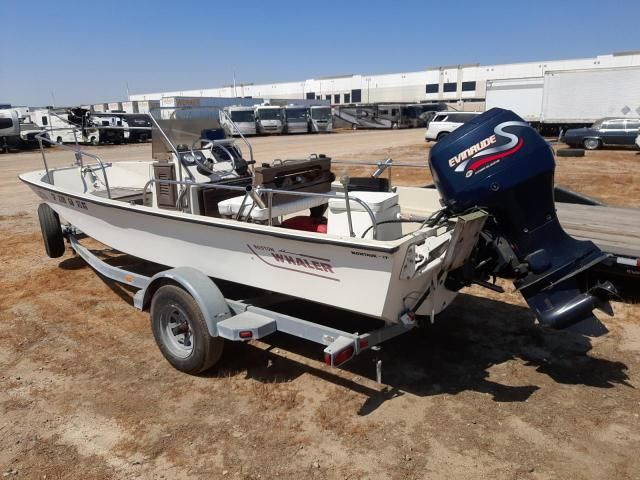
(614, 229)
(124, 194)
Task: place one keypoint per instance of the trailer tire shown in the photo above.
(441, 135)
(192, 350)
(570, 152)
(59, 140)
(51, 231)
(94, 141)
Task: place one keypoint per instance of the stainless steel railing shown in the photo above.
(79, 155)
(255, 194)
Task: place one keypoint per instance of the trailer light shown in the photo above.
(245, 334)
(343, 355)
(364, 343)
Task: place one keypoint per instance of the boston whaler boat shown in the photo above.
(397, 254)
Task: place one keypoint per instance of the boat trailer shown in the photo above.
(238, 320)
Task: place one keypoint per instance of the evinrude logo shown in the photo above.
(297, 262)
(478, 156)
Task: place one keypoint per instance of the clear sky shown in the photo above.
(88, 51)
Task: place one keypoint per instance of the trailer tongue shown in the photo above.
(497, 162)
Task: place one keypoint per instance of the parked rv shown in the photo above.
(66, 126)
(444, 123)
(360, 116)
(18, 131)
(111, 127)
(408, 116)
(243, 118)
(390, 113)
(269, 119)
(9, 129)
(320, 119)
(296, 119)
(420, 114)
(137, 127)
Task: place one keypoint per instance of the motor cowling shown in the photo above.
(498, 163)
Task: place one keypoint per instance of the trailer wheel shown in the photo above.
(570, 152)
(94, 141)
(51, 231)
(441, 135)
(59, 140)
(591, 143)
(181, 332)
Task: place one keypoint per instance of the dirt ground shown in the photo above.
(484, 393)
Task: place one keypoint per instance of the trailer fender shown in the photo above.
(204, 291)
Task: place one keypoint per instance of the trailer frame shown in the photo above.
(244, 320)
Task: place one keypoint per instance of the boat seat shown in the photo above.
(231, 207)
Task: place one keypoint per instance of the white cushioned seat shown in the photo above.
(231, 206)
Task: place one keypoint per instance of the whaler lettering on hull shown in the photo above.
(296, 262)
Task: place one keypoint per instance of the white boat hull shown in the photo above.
(360, 276)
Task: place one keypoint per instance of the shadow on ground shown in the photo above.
(452, 356)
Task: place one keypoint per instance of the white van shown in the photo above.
(321, 118)
(243, 117)
(443, 123)
(269, 119)
(296, 119)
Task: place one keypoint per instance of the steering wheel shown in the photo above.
(207, 164)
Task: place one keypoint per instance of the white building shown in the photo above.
(460, 84)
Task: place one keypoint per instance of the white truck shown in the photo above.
(269, 119)
(570, 98)
(296, 119)
(243, 118)
(320, 118)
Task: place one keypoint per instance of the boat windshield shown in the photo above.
(269, 113)
(294, 114)
(183, 126)
(321, 113)
(243, 116)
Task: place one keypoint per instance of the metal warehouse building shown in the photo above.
(463, 85)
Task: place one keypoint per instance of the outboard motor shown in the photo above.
(498, 163)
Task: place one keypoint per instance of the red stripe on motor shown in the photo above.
(491, 158)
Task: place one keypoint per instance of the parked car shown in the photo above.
(604, 132)
(443, 123)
